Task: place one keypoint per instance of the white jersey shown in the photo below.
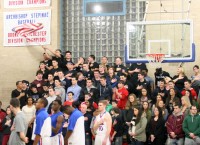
(45, 132)
(57, 139)
(78, 137)
(101, 131)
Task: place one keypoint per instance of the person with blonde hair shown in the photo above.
(103, 70)
(102, 125)
(185, 109)
(180, 78)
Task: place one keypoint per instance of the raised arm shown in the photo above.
(52, 51)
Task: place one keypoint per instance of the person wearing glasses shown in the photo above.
(191, 127)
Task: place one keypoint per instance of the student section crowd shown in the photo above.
(164, 111)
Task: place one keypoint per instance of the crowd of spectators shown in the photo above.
(143, 111)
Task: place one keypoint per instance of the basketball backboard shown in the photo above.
(174, 38)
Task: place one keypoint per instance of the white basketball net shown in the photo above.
(155, 58)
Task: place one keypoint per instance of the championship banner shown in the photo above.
(26, 3)
(24, 28)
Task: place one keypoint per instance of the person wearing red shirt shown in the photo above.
(70, 100)
(187, 85)
(120, 95)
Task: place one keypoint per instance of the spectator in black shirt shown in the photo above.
(56, 55)
(25, 88)
(87, 122)
(19, 94)
(160, 75)
(34, 92)
(79, 65)
(89, 88)
(104, 61)
(92, 64)
(180, 78)
(117, 125)
(127, 84)
(45, 91)
(42, 67)
(96, 79)
(142, 83)
(71, 72)
(134, 69)
(87, 72)
(65, 82)
(81, 80)
(55, 68)
(47, 61)
(119, 67)
(50, 80)
(68, 58)
(161, 90)
(103, 70)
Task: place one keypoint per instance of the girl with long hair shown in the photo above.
(171, 100)
(137, 127)
(146, 110)
(157, 128)
(185, 108)
(164, 110)
(144, 95)
(128, 113)
(132, 101)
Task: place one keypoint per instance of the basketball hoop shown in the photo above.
(155, 58)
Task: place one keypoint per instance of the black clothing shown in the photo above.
(180, 82)
(82, 83)
(169, 104)
(160, 75)
(48, 63)
(96, 83)
(119, 69)
(35, 96)
(145, 85)
(105, 92)
(15, 93)
(93, 91)
(6, 129)
(118, 126)
(54, 70)
(87, 122)
(157, 128)
(66, 83)
(59, 60)
(134, 76)
(73, 72)
(93, 66)
(155, 93)
(88, 74)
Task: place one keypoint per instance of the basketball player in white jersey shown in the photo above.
(102, 125)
